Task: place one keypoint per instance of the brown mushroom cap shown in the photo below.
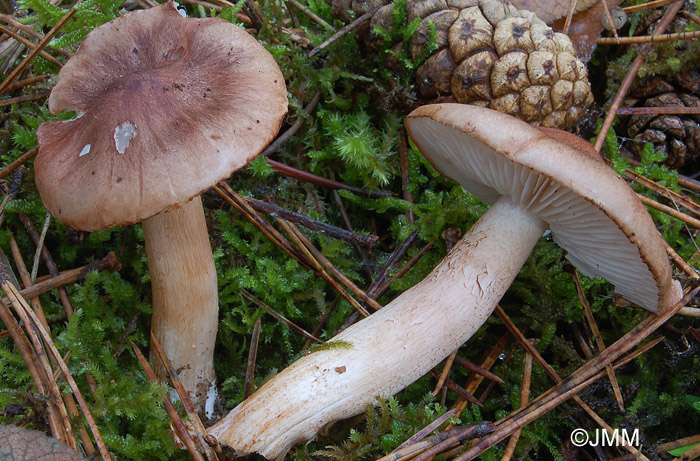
(592, 212)
(167, 106)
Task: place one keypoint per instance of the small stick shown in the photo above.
(30, 359)
(197, 425)
(39, 246)
(48, 342)
(32, 54)
(10, 20)
(252, 356)
(660, 110)
(109, 262)
(30, 45)
(235, 200)
(24, 98)
(367, 241)
(348, 225)
(26, 280)
(459, 390)
(343, 31)
(205, 5)
(469, 432)
(677, 444)
(524, 397)
(291, 131)
(316, 18)
(608, 16)
(67, 437)
(319, 269)
(680, 263)
(27, 81)
(578, 380)
(663, 191)
(323, 182)
(12, 166)
(656, 38)
(598, 339)
(670, 211)
(445, 371)
(409, 451)
(50, 264)
(627, 81)
(405, 176)
(420, 435)
(683, 181)
(647, 6)
(393, 260)
(569, 16)
(477, 369)
(339, 275)
(178, 425)
(405, 268)
(248, 295)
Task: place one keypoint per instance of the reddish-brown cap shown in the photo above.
(592, 212)
(167, 106)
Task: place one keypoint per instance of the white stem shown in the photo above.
(185, 297)
(394, 346)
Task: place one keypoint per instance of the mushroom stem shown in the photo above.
(185, 297)
(394, 346)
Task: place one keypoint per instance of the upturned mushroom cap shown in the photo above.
(592, 212)
(167, 106)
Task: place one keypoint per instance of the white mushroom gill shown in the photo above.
(85, 151)
(123, 134)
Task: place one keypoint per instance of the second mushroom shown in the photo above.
(533, 181)
(166, 107)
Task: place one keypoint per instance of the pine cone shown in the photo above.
(678, 136)
(490, 54)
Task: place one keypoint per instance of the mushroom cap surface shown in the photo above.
(166, 107)
(592, 212)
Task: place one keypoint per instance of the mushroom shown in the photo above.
(166, 107)
(534, 182)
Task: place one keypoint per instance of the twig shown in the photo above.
(680, 263)
(26, 280)
(319, 269)
(316, 18)
(336, 273)
(469, 432)
(48, 342)
(291, 131)
(33, 53)
(609, 18)
(477, 369)
(24, 98)
(10, 20)
(670, 211)
(677, 199)
(25, 349)
(459, 390)
(23, 158)
(367, 241)
(248, 295)
(405, 176)
(598, 339)
(323, 182)
(524, 397)
(343, 31)
(581, 378)
(30, 45)
(569, 16)
(647, 6)
(420, 435)
(656, 38)
(631, 74)
(405, 268)
(374, 288)
(252, 356)
(178, 425)
(659, 110)
(109, 262)
(677, 444)
(26, 82)
(39, 246)
(198, 427)
(445, 372)
(48, 260)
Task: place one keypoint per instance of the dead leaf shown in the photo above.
(586, 28)
(19, 444)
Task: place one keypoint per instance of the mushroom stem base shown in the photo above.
(394, 346)
(185, 298)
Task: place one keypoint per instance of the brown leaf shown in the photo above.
(585, 28)
(19, 444)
